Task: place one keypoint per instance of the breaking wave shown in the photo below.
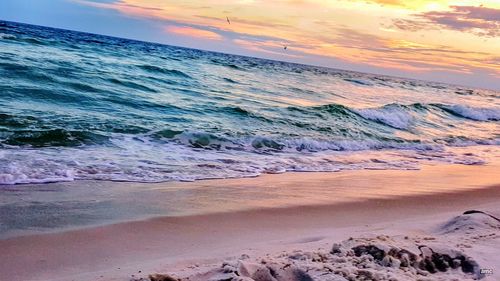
(479, 114)
(392, 115)
(79, 106)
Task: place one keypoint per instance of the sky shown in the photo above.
(454, 41)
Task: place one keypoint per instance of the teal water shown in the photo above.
(77, 106)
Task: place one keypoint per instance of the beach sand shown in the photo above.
(312, 212)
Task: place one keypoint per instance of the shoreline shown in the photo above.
(169, 244)
(68, 206)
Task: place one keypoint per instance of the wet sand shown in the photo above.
(290, 209)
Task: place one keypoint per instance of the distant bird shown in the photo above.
(228, 21)
(285, 47)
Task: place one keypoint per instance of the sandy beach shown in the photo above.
(408, 208)
(339, 140)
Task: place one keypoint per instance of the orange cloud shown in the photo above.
(268, 47)
(480, 21)
(375, 33)
(193, 32)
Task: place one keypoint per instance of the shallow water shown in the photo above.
(76, 106)
(40, 208)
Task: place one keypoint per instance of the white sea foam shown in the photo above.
(40, 171)
(145, 160)
(393, 116)
(479, 114)
(7, 36)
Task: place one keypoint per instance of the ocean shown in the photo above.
(78, 106)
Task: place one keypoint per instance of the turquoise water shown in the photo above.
(77, 106)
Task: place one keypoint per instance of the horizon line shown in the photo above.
(256, 57)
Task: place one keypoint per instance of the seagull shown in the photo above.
(228, 21)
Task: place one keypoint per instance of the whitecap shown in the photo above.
(478, 114)
(393, 116)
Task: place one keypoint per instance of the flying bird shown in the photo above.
(228, 21)
(285, 47)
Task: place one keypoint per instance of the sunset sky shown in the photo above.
(443, 40)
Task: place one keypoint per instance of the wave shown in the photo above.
(43, 95)
(465, 141)
(244, 113)
(358, 82)
(402, 116)
(282, 144)
(156, 69)
(478, 114)
(19, 135)
(14, 67)
(19, 176)
(33, 41)
(75, 110)
(22, 39)
(230, 80)
(233, 66)
(83, 87)
(333, 108)
(395, 116)
(392, 115)
(205, 158)
(12, 121)
(132, 85)
(226, 64)
(53, 138)
(203, 140)
(7, 36)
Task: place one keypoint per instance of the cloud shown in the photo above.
(316, 31)
(193, 32)
(389, 2)
(480, 21)
(406, 4)
(359, 47)
(240, 21)
(268, 47)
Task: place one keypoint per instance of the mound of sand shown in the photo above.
(392, 258)
(470, 222)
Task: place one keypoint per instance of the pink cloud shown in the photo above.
(480, 21)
